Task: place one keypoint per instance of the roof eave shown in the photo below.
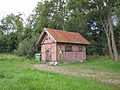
(41, 36)
(50, 35)
(75, 43)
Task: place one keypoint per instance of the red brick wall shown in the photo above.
(74, 55)
(48, 44)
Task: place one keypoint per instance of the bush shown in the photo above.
(27, 47)
(8, 43)
(97, 57)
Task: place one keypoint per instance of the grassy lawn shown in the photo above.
(101, 65)
(100, 69)
(16, 75)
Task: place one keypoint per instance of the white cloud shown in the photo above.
(15, 6)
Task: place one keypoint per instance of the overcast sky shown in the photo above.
(15, 6)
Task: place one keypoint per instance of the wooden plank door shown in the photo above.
(48, 55)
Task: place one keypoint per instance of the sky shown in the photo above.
(15, 6)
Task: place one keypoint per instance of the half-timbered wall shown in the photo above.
(78, 53)
(48, 44)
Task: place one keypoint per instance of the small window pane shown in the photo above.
(80, 48)
(68, 48)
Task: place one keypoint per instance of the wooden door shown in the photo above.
(48, 56)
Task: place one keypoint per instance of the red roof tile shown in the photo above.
(67, 37)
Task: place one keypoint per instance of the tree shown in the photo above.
(1, 29)
(8, 43)
(11, 28)
(104, 11)
(111, 7)
(12, 23)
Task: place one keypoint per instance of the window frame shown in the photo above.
(80, 48)
(68, 50)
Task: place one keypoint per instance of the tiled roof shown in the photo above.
(67, 37)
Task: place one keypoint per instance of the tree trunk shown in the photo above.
(113, 39)
(109, 46)
(106, 29)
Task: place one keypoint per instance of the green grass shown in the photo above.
(102, 68)
(100, 65)
(16, 75)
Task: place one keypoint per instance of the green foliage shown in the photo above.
(101, 14)
(61, 58)
(11, 28)
(11, 23)
(117, 34)
(8, 43)
(27, 47)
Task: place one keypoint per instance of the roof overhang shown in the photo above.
(55, 38)
(44, 31)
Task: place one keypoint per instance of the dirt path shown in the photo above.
(105, 77)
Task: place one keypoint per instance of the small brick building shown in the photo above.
(62, 46)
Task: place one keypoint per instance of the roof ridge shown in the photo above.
(62, 30)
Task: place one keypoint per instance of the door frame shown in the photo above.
(48, 55)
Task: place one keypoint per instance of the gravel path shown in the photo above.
(105, 77)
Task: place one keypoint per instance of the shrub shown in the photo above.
(27, 47)
(61, 59)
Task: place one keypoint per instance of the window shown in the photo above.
(80, 48)
(68, 48)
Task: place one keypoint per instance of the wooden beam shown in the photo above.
(50, 35)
